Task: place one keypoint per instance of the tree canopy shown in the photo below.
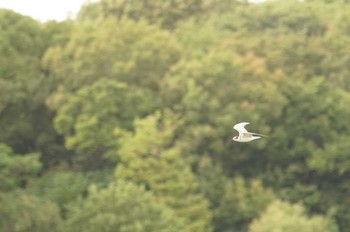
(121, 118)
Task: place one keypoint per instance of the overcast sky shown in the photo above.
(44, 10)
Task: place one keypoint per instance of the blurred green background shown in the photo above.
(121, 119)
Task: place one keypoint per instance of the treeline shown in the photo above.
(121, 119)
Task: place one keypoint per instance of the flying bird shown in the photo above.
(243, 135)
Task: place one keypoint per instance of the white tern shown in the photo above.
(243, 135)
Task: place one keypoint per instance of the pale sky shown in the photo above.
(44, 10)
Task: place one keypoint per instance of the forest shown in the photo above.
(120, 119)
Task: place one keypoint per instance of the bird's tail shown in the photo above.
(260, 135)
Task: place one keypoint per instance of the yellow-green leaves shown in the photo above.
(150, 158)
(26, 213)
(123, 50)
(16, 170)
(283, 216)
(88, 118)
(122, 206)
(333, 158)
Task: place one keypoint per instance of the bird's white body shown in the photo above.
(243, 135)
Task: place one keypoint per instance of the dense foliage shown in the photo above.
(121, 119)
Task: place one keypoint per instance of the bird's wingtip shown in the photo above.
(241, 123)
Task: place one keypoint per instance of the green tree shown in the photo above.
(57, 34)
(164, 13)
(242, 202)
(306, 151)
(88, 118)
(21, 47)
(25, 121)
(59, 187)
(301, 43)
(123, 50)
(148, 158)
(122, 206)
(333, 158)
(224, 87)
(283, 216)
(71, 92)
(234, 202)
(15, 169)
(25, 213)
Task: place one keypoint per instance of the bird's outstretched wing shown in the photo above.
(240, 127)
